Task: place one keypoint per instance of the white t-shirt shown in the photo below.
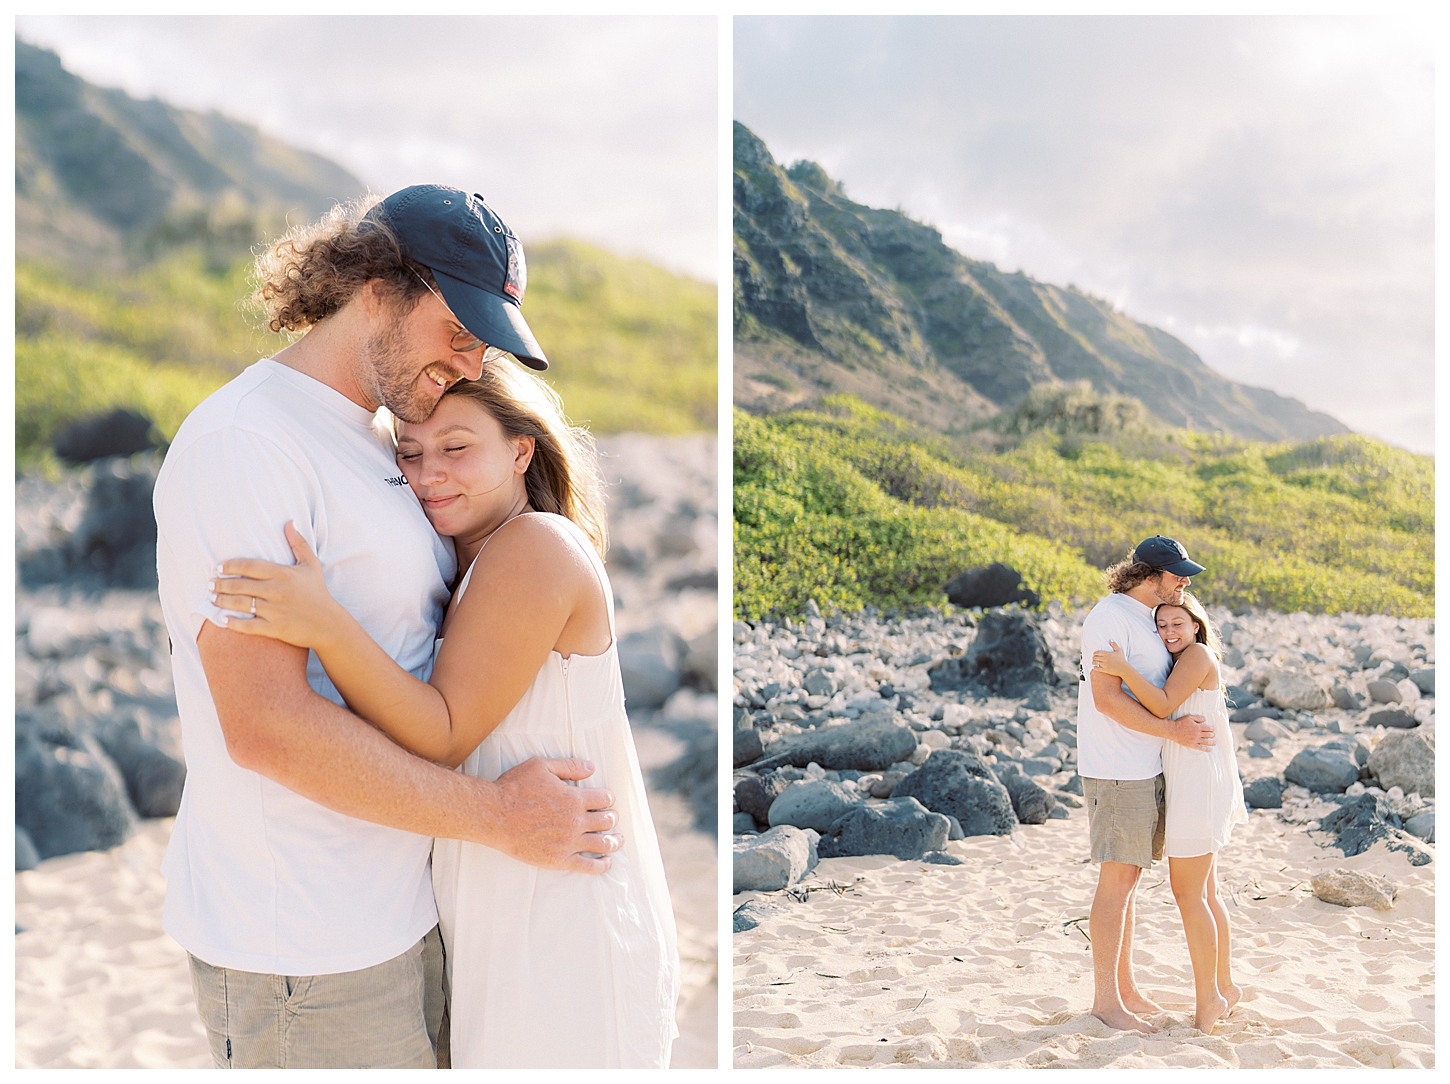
(259, 878)
(1107, 749)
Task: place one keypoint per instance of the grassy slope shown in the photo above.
(1335, 524)
(633, 346)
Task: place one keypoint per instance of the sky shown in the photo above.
(1262, 188)
(601, 128)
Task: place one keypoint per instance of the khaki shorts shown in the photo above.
(1125, 819)
(385, 1016)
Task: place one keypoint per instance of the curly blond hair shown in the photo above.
(312, 271)
(1127, 574)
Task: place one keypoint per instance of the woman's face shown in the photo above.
(466, 473)
(1176, 628)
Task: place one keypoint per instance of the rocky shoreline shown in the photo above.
(873, 734)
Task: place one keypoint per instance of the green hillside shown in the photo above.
(849, 505)
(833, 297)
(632, 346)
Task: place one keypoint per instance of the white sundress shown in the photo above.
(554, 969)
(1202, 791)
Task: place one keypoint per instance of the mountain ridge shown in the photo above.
(103, 177)
(833, 296)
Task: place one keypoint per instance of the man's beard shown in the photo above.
(395, 378)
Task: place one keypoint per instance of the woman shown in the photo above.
(545, 968)
(1202, 791)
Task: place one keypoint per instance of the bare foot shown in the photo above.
(1135, 1002)
(1231, 994)
(1124, 1021)
(1208, 1015)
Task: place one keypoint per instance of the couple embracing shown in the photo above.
(1159, 776)
(380, 859)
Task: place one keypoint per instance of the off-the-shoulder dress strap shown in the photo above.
(580, 539)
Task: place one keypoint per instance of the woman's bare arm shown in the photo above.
(1193, 665)
(525, 588)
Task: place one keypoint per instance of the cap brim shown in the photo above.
(1185, 568)
(494, 320)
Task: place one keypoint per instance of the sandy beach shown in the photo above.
(874, 961)
(99, 984)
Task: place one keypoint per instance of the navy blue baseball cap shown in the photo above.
(475, 258)
(1167, 554)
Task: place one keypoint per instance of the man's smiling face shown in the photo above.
(1168, 588)
(412, 360)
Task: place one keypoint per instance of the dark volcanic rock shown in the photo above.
(993, 585)
(1009, 657)
(902, 827)
(1363, 821)
(1392, 718)
(694, 775)
(153, 778)
(68, 794)
(1031, 803)
(867, 745)
(99, 436)
(1264, 793)
(755, 793)
(959, 784)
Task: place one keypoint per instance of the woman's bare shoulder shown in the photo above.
(539, 543)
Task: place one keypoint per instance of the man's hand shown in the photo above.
(547, 823)
(1193, 732)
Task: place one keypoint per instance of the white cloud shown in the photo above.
(1246, 183)
(598, 127)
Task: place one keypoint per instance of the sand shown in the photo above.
(99, 984)
(877, 962)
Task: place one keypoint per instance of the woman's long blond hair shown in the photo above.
(563, 476)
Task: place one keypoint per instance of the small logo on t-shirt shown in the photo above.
(400, 480)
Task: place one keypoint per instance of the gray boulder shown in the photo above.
(941, 858)
(700, 666)
(1324, 769)
(1392, 719)
(1422, 825)
(1424, 680)
(751, 913)
(1265, 730)
(991, 585)
(902, 827)
(743, 824)
(1405, 759)
(1264, 793)
(868, 745)
(821, 682)
(99, 436)
(812, 803)
(1384, 692)
(747, 746)
(26, 856)
(957, 783)
(68, 794)
(1295, 692)
(649, 661)
(773, 860)
(1345, 698)
(755, 793)
(1009, 657)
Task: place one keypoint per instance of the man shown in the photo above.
(298, 871)
(1120, 745)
